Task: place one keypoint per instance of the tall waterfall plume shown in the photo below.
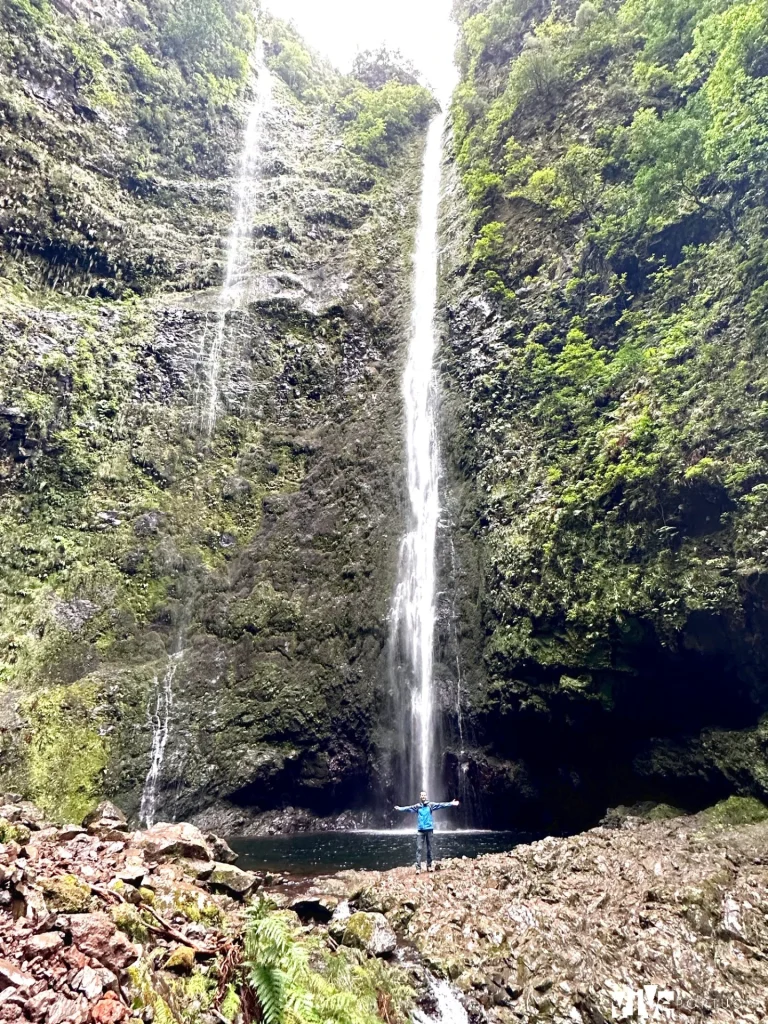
(413, 613)
(234, 289)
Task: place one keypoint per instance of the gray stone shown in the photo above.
(232, 880)
(371, 933)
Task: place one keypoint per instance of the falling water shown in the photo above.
(160, 721)
(413, 611)
(446, 1007)
(234, 289)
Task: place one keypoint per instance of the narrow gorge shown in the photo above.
(353, 443)
(371, 429)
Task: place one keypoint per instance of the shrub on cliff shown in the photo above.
(374, 68)
(380, 120)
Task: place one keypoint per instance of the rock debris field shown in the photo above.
(646, 921)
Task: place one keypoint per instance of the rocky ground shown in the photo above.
(664, 920)
(648, 921)
(93, 916)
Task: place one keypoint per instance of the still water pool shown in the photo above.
(311, 853)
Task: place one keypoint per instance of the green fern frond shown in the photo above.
(268, 983)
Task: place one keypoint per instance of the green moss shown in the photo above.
(67, 754)
(181, 959)
(13, 832)
(359, 930)
(664, 812)
(130, 920)
(66, 894)
(737, 810)
(198, 907)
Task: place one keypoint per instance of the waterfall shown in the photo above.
(413, 613)
(234, 289)
(160, 722)
(446, 1007)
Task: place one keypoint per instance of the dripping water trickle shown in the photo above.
(413, 613)
(160, 723)
(234, 290)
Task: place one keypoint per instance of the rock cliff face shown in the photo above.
(213, 604)
(602, 363)
(233, 588)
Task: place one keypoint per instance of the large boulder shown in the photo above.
(107, 821)
(97, 937)
(371, 933)
(166, 841)
(232, 880)
(221, 849)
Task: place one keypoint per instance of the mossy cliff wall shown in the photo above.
(604, 409)
(263, 557)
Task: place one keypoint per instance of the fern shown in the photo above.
(269, 985)
(296, 980)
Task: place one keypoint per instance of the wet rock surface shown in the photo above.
(650, 921)
(256, 565)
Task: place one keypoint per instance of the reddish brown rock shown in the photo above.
(45, 945)
(96, 936)
(11, 975)
(109, 1010)
(64, 1010)
(37, 1007)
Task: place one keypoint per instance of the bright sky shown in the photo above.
(421, 29)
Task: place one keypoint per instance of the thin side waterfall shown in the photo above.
(234, 289)
(160, 721)
(413, 613)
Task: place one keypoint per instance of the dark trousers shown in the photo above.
(424, 843)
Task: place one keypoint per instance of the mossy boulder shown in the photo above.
(737, 810)
(182, 959)
(232, 880)
(66, 894)
(371, 933)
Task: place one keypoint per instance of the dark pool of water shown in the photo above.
(311, 853)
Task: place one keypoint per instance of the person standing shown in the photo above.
(425, 827)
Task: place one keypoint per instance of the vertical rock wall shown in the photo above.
(265, 554)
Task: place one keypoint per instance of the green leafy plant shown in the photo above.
(296, 980)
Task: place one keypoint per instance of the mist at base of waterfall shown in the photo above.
(313, 853)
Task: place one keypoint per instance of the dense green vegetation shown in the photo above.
(296, 978)
(162, 55)
(381, 104)
(613, 157)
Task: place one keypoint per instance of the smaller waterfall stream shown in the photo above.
(234, 289)
(447, 1008)
(413, 612)
(160, 721)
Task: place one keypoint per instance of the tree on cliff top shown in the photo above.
(374, 68)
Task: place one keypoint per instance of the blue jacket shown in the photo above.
(424, 811)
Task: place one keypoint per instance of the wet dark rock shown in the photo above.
(315, 908)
